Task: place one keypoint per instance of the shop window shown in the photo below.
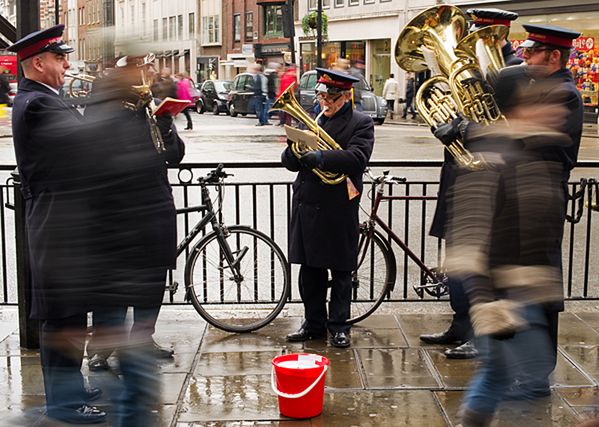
(237, 27)
(249, 26)
(273, 21)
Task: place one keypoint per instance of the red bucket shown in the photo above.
(299, 383)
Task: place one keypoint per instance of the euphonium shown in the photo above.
(484, 45)
(288, 102)
(84, 78)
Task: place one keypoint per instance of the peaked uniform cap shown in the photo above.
(48, 40)
(548, 35)
(332, 81)
(483, 17)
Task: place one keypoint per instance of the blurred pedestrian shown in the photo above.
(390, 93)
(184, 88)
(55, 152)
(324, 221)
(410, 93)
(515, 282)
(260, 88)
(134, 233)
(272, 76)
(288, 78)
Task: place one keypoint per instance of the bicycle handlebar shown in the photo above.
(215, 175)
(385, 178)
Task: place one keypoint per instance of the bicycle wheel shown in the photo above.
(374, 278)
(245, 299)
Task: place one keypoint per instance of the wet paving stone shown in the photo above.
(591, 319)
(380, 408)
(235, 363)
(343, 372)
(247, 397)
(566, 374)
(414, 325)
(550, 411)
(10, 347)
(363, 337)
(26, 411)
(171, 385)
(181, 362)
(454, 373)
(573, 331)
(379, 321)
(396, 368)
(586, 357)
(20, 376)
(216, 340)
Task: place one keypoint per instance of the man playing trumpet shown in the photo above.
(324, 221)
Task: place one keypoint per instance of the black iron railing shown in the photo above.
(259, 195)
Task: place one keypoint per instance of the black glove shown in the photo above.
(164, 123)
(312, 159)
(448, 132)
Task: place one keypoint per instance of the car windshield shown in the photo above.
(222, 86)
(362, 85)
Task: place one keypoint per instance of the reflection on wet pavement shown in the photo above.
(385, 379)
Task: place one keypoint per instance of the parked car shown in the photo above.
(214, 96)
(12, 93)
(372, 105)
(240, 96)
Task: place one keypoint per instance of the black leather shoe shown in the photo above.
(92, 393)
(465, 351)
(97, 363)
(304, 335)
(84, 415)
(447, 337)
(162, 352)
(340, 339)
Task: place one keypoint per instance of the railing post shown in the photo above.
(28, 328)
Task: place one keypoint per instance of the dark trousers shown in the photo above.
(188, 117)
(313, 284)
(391, 106)
(460, 323)
(61, 354)
(409, 106)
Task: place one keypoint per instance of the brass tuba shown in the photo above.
(435, 39)
(82, 93)
(288, 102)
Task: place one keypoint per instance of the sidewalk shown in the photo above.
(386, 378)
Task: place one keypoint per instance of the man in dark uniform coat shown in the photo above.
(55, 161)
(324, 222)
(460, 330)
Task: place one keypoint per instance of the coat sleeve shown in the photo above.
(354, 158)
(289, 160)
(174, 147)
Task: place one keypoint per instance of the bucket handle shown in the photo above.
(273, 384)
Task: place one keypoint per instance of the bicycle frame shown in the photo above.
(375, 219)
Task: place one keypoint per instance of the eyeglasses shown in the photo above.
(328, 97)
(529, 51)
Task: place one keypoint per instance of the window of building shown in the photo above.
(339, 3)
(237, 27)
(353, 2)
(172, 28)
(164, 28)
(313, 4)
(249, 26)
(132, 16)
(368, 1)
(179, 27)
(210, 29)
(192, 25)
(143, 19)
(155, 24)
(273, 21)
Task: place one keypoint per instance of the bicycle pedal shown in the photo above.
(172, 288)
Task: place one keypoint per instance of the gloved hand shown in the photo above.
(312, 159)
(164, 122)
(448, 132)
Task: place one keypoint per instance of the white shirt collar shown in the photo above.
(56, 91)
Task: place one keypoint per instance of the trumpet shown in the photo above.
(79, 93)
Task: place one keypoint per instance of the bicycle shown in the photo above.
(226, 269)
(374, 278)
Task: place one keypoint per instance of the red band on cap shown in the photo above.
(326, 80)
(36, 47)
(551, 40)
(491, 21)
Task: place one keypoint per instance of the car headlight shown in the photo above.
(383, 101)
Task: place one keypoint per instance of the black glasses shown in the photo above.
(528, 51)
(328, 97)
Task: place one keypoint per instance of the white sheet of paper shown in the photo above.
(304, 137)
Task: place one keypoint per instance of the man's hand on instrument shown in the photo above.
(448, 132)
(312, 159)
(164, 123)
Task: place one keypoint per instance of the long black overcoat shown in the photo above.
(54, 153)
(324, 221)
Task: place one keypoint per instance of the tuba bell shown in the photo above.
(79, 93)
(288, 102)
